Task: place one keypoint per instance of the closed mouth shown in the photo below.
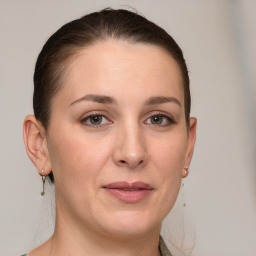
(129, 192)
(128, 186)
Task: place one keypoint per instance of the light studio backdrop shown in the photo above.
(218, 39)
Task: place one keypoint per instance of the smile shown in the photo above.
(129, 192)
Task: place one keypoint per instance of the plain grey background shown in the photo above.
(218, 39)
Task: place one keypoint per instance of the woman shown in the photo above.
(112, 130)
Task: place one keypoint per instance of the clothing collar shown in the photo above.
(164, 251)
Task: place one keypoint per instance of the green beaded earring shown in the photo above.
(43, 180)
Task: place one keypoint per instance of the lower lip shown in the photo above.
(129, 196)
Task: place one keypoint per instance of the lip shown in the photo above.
(129, 192)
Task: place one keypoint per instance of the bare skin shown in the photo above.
(119, 117)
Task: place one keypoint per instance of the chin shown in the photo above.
(132, 223)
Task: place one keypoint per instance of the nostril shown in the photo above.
(132, 163)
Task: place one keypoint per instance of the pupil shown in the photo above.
(157, 119)
(96, 119)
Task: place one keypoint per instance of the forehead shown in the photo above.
(114, 65)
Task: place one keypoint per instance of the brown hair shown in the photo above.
(66, 42)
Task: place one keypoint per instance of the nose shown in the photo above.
(130, 148)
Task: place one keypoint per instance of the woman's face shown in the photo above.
(117, 139)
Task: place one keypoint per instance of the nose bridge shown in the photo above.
(131, 149)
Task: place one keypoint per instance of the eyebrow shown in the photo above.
(109, 100)
(96, 98)
(161, 100)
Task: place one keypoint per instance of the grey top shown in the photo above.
(164, 251)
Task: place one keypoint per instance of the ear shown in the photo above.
(36, 144)
(190, 145)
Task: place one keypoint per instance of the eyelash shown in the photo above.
(169, 120)
(86, 118)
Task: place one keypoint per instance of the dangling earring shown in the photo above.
(182, 187)
(43, 180)
(185, 174)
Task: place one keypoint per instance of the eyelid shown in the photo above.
(162, 114)
(94, 113)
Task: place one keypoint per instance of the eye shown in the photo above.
(95, 120)
(160, 120)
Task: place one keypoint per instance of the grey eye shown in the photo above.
(95, 120)
(157, 119)
(161, 120)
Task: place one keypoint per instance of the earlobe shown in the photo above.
(185, 172)
(35, 143)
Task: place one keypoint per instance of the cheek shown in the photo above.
(169, 154)
(76, 159)
(168, 158)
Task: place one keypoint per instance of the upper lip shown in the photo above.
(129, 186)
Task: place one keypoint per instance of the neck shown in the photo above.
(72, 238)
